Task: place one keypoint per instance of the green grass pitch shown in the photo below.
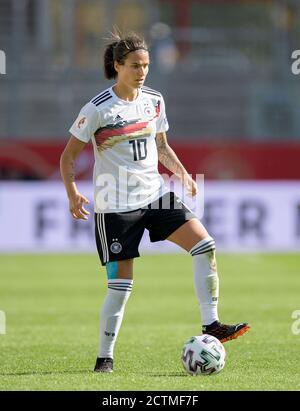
(52, 307)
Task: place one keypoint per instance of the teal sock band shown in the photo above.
(112, 270)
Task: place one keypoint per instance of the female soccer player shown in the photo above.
(127, 124)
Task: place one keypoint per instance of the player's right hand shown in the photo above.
(76, 207)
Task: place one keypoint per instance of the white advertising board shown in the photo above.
(241, 216)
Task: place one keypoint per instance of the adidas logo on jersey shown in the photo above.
(118, 118)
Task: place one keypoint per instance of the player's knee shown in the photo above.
(119, 270)
(112, 270)
(205, 246)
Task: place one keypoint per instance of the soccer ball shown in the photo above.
(203, 355)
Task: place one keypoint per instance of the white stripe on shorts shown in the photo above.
(101, 237)
(104, 236)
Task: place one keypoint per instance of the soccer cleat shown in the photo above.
(104, 365)
(225, 332)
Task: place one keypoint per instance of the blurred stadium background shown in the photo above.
(232, 101)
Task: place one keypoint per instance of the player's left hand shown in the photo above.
(190, 185)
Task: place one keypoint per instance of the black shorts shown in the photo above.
(118, 235)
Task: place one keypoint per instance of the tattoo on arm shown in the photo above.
(71, 171)
(167, 156)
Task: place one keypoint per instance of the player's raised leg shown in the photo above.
(194, 238)
(120, 280)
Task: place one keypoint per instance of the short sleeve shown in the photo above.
(86, 123)
(162, 124)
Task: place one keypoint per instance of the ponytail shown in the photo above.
(109, 68)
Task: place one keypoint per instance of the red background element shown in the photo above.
(250, 161)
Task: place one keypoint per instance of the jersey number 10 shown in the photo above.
(139, 149)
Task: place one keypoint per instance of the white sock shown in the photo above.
(112, 314)
(206, 279)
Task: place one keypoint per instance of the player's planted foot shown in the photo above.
(225, 332)
(104, 365)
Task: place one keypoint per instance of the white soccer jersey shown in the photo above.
(123, 134)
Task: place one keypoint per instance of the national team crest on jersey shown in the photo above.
(149, 111)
